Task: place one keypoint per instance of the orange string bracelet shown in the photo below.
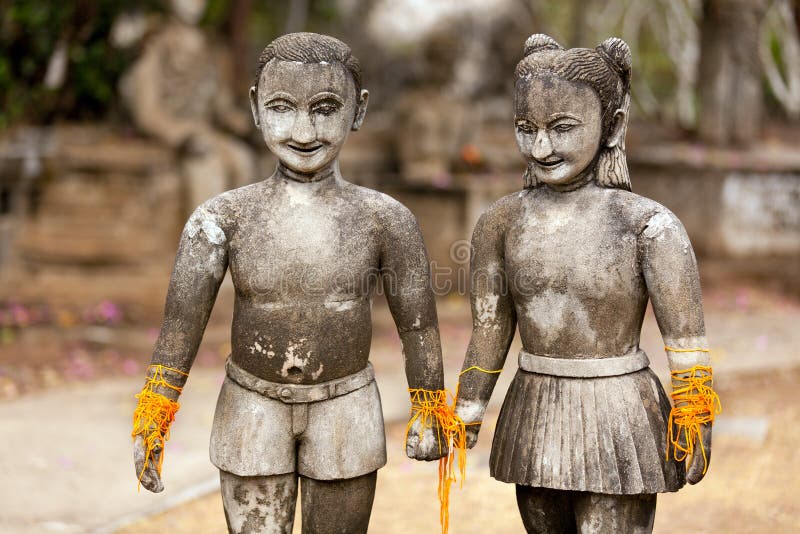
(694, 403)
(428, 407)
(671, 349)
(154, 414)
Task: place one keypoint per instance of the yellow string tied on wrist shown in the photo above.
(154, 414)
(428, 407)
(694, 402)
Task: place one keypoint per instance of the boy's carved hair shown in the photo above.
(306, 47)
(606, 69)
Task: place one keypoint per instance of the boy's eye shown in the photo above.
(325, 109)
(279, 107)
(563, 127)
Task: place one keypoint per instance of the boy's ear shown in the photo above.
(617, 128)
(254, 105)
(361, 109)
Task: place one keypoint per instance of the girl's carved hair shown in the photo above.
(606, 69)
(306, 47)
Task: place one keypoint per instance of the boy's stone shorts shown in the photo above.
(338, 438)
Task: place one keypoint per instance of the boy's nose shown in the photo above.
(303, 131)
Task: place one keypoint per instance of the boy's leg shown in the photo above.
(545, 510)
(599, 513)
(337, 506)
(259, 504)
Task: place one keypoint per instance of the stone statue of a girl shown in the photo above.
(586, 431)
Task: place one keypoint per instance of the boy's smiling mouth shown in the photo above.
(307, 150)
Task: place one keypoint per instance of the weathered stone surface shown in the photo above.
(572, 260)
(307, 251)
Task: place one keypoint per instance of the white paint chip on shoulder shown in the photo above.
(657, 224)
(202, 220)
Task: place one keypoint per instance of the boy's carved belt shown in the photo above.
(583, 368)
(300, 393)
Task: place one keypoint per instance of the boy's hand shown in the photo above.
(431, 445)
(151, 480)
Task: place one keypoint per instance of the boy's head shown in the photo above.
(306, 98)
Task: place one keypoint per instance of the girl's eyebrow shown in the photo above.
(280, 95)
(326, 95)
(564, 115)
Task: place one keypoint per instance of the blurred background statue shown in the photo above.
(179, 92)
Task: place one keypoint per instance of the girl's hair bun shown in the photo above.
(617, 54)
(538, 42)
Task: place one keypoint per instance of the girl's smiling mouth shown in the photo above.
(549, 162)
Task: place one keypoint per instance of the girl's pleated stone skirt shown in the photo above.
(604, 435)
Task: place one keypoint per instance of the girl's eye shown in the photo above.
(563, 127)
(525, 128)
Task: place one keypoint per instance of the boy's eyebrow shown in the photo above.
(280, 95)
(325, 95)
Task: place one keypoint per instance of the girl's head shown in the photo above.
(571, 112)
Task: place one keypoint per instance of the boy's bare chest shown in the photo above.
(295, 254)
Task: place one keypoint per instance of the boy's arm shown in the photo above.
(406, 281)
(493, 323)
(200, 266)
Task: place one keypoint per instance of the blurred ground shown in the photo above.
(66, 398)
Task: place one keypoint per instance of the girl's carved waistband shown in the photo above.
(583, 368)
(300, 393)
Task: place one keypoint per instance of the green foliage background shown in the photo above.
(29, 33)
(31, 29)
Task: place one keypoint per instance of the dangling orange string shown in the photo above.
(694, 403)
(154, 414)
(428, 406)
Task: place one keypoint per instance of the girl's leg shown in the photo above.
(599, 513)
(545, 510)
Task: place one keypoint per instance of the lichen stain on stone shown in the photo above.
(554, 312)
(291, 359)
(486, 309)
(340, 305)
(318, 372)
(201, 219)
(471, 411)
(658, 224)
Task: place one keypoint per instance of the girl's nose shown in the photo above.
(303, 130)
(542, 147)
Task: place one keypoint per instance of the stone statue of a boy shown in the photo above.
(586, 431)
(305, 250)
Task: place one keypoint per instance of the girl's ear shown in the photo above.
(617, 133)
(361, 109)
(254, 104)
